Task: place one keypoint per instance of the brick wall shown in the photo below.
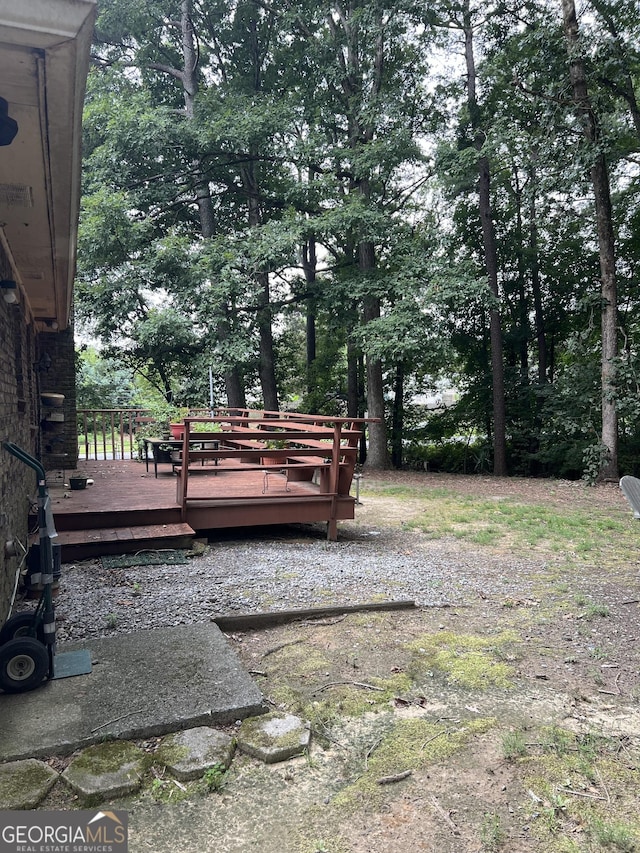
(59, 443)
(19, 424)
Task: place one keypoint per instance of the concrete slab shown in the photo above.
(149, 683)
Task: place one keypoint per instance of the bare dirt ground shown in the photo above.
(506, 719)
(573, 652)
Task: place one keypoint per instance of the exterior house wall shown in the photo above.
(18, 424)
(59, 438)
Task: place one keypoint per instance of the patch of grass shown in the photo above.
(617, 836)
(514, 745)
(598, 653)
(570, 533)
(492, 834)
(595, 610)
(466, 660)
(167, 790)
(583, 784)
(214, 778)
(322, 845)
(406, 745)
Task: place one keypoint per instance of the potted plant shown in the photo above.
(78, 481)
(176, 425)
(274, 444)
(209, 429)
(158, 427)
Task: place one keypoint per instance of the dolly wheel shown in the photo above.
(21, 625)
(24, 663)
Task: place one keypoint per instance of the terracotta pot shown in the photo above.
(177, 430)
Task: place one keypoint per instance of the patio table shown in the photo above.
(172, 443)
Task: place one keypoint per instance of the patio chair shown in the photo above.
(631, 490)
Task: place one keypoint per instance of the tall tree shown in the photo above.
(606, 238)
(490, 251)
(188, 76)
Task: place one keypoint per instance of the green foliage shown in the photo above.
(312, 128)
(215, 777)
(492, 833)
(102, 383)
(514, 745)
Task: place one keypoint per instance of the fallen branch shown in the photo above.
(440, 734)
(117, 719)
(350, 683)
(398, 777)
(446, 816)
(581, 794)
(323, 733)
(373, 746)
(280, 647)
(253, 621)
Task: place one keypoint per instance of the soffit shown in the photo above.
(44, 51)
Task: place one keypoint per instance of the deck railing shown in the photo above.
(108, 433)
(112, 433)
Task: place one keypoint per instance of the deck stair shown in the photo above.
(104, 541)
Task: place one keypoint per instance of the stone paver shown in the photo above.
(24, 784)
(274, 737)
(107, 770)
(188, 754)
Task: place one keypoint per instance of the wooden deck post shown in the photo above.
(334, 474)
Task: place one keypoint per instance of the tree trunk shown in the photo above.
(232, 377)
(397, 417)
(606, 240)
(353, 381)
(536, 287)
(377, 455)
(233, 384)
(523, 307)
(266, 366)
(491, 259)
(309, 263)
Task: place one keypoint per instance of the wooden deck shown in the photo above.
(128, 508)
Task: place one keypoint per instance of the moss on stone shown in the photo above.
(604, 809)
(108, 757)
(252, 729)
(24, 783)
(169, 752)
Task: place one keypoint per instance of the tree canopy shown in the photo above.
(347, 208)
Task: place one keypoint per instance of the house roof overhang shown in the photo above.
(44, 58)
